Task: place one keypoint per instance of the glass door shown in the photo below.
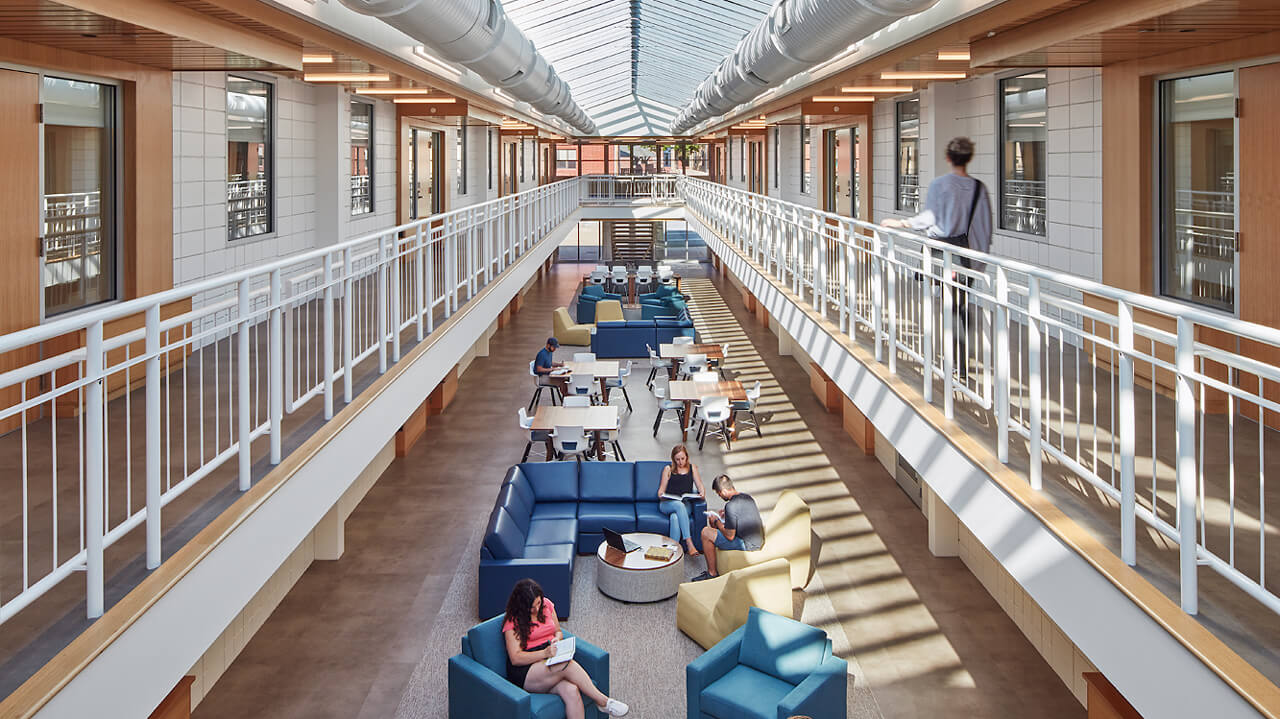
(842, 171)
(78, 164)
(423, 175)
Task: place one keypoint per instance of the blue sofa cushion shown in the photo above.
(552, 531)
(618, 516)
(510, 499)
(485, 644)
(503, 539)
(516, 478)
(593, 291)
(744, 692)
(648, 477)
(555, 510)
(606, 482)
(782, 647)
(559, 552)
(552, 481)
(545, 706)
(650, 519)
(640, 324)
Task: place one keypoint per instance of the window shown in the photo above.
(249, 161)
(1197, 189)
(460, 157)
(1023, 131)
(78, 198)
(806, 159)
(566, 158)
(742, 158)
(777, 130)
(361, 157)
(907, 194)
(728, 148)
(490, 154)
(522, 159)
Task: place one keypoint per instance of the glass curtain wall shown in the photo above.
(249, 160)
(1023, 131)
(1198, 190)
(78, 194)
(907, 195)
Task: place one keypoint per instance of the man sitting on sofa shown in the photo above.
(741, 527)
(545, 362)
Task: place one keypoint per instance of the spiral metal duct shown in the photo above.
(794, 36)
(478, 35)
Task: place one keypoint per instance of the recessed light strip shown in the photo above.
(425, 100)
(316, 58)
(843, 98)
(923, 75)
(954, 55)
(864, 89)
(346, 77)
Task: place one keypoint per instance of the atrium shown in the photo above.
(797, 359)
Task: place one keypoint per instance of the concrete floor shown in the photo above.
(344, 641)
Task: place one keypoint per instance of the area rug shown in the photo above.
(647, 654)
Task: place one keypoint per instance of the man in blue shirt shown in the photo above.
(545, 362)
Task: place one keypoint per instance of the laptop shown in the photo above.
(615, 540)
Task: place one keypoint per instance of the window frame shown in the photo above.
(806, 157)
(897, 152)
(489, 153)
(372, 167)
(1001, 129)
(272, 116)
(460, 156)
(777, 136)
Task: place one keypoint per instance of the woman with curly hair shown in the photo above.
(531, 629)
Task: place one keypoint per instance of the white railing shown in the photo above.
(105, 435)
(1066, 363)
(624, 189)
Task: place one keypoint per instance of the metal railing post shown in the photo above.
(397, 312)
(1128, 437)
(94, 472)
(1186, 466)
(327, 336)
(244, 412)
(419, 281)
(948, 338)
(877, 296)
(891, 289)
(1034, 380)
(276, 362)
(926, 322)
(153, 435)
(1002, 361)
(380, 312)
(348, 314)
(842, 236)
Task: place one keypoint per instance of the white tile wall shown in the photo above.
(789, 167)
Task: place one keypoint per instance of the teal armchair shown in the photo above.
(769, 668)
(479, 688)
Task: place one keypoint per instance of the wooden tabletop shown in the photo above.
(592, 419)
(712, 351)
(636, 560)
(688, 391)
(597, 369)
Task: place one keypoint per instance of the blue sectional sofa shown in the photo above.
(663, 302)
(548, 512)
(628, 339)
(587, 299)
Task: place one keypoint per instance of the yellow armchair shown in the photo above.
(567, 331)
(710, 610)
(787, 534)
(609, 311)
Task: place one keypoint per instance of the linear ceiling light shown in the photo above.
(346, 77)
(316, 58)
(394, 90)
(843, 98)
(425, 100)
(923, 75)
(953, 55)
(863, 89)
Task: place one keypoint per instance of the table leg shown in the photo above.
(604, 390)
(599, 448)
(684, 421)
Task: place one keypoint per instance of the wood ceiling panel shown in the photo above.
(48, 23)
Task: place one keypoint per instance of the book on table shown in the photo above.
(692, 496)
(564, 651)
(659, 553)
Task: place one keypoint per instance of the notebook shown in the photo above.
(687, 495)
(615, 540)
(564, 651)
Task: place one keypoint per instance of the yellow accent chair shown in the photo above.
(710, 610)
(609, 311)
(787, 534)
(567, 331)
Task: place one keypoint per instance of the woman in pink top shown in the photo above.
(530, 630)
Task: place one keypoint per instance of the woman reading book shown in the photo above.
(531, 631)
(675, 492)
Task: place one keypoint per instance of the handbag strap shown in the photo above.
(973, 206)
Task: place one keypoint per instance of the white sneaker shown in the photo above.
(616, 708)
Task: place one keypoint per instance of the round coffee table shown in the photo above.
(629, 577)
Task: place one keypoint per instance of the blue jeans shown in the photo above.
(723, 542)
(678, 514)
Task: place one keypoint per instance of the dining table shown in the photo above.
(594, 420)
(689, 392)
(677, 353)
(602, 370)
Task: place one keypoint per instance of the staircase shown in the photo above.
(631, 243)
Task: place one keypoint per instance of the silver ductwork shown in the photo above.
(793, 37)
(478, 35)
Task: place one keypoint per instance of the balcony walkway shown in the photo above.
(927, 636)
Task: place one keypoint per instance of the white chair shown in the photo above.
(655, 363)
(611, 436)
(714, 411)
(620, 382)
(599, 275)
(666, 275)
(584, 356)
(749, 406)
(582, 385)
(618, 280)
(577, 401)
(666, 405)
(541, 382)
(692, 365)
(536, 436)
(708, 376)
(570, 441)
(644, 279)
(682, 340)
(724, 355)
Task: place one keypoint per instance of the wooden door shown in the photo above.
(1259, 195)
(20, 208)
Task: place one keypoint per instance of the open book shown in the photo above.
(564, 651)
(687, 495)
